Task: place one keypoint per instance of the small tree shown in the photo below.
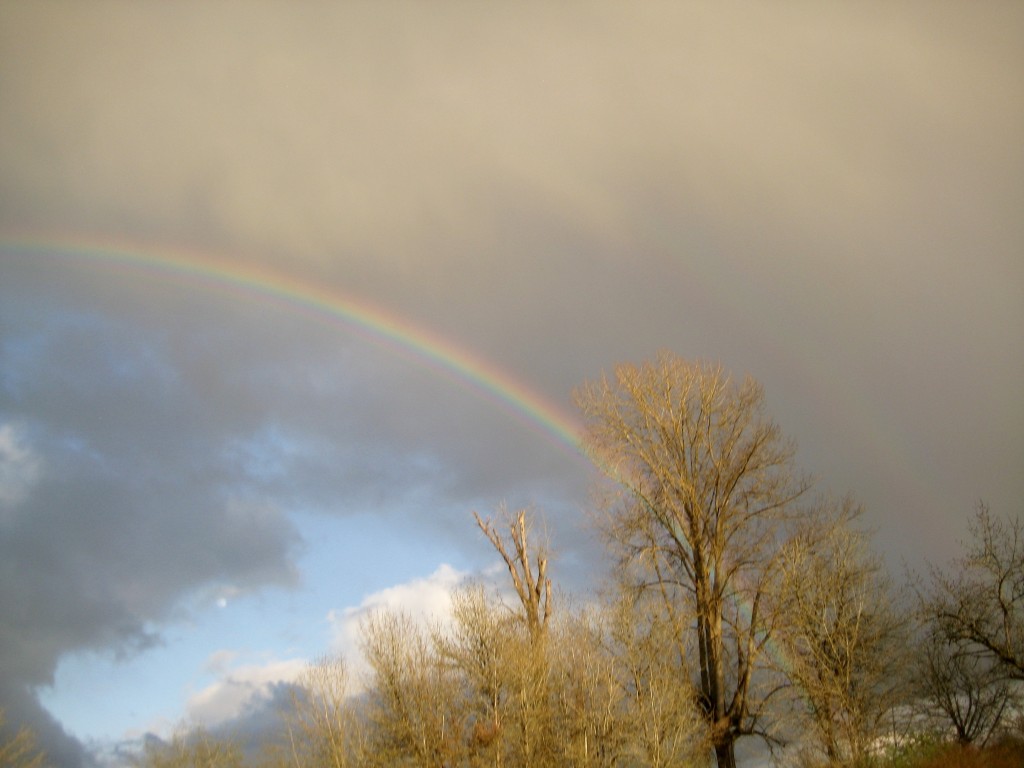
(195, 748)
(416, 704)
(843, 638)
(983, 602)
(323, 726)
(971, 661)
(661, 724)
(960, 686)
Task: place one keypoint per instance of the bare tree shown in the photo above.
(195, 748)
(532, 588)
(958, 685)
(660, 721)
(971, 657)
(416, 703)
(589, 699)
(844, 638)
(478, 649)
(323, 726)
(983, 602)
(708, 486)
(532, 717)
(586, 689)
(477, 692)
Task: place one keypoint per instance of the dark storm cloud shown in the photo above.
(130, 505)
(826, 198)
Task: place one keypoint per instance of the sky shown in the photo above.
(287, 291)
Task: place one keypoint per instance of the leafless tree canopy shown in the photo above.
(526, 684)
(194, 749)
(323, 726)
(532, 589)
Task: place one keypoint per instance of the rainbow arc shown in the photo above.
(263, 283)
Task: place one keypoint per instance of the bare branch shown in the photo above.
(532, 587)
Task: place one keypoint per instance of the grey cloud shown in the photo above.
(323, 130)
(261, 724)
(129, 513)
(258, 730)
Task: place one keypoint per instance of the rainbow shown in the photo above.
(389, 329)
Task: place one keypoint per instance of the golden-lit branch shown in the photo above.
(532, 588)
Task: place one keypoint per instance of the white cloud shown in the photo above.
(427, 600)
(20, 466)
(238, 688)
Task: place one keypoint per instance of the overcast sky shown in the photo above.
(201, 487)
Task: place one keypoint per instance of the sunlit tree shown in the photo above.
(196, 748)
(589, 702)
(844, 638)
(528, 734)
(323, 726)
(707, 489)
(478, 648)
(415, 708)
(659, 719)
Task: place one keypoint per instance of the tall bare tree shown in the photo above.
(708, 486)
(532, 588)
(478, 691)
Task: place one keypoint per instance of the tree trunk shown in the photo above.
(725, 754)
